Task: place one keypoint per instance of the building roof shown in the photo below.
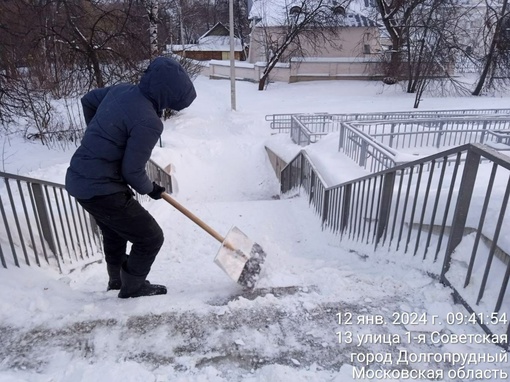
(216, 39)
(218, 29)
(275, 12)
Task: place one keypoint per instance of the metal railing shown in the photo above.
(398, 141)
(158, 175)
(364, 150)
(282, 122)
(42, 224)
(302, 135)
(447, 212)
(436, 132)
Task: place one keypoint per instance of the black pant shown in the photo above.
(122, 219)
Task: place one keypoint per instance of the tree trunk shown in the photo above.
(270, 65)
(96, 68)
(410, 74)
(485, 71)
(152, 13)
(420, 88)
(262, 82)
(491, 53)
(393, 68)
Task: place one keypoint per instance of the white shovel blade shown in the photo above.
(232, 262)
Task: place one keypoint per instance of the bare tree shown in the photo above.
(301, 29)
(187, 20)
(8, 99)
(105, 37)
(496, 59)
(13, 56)
(20, 54)
(432, 46)
(60, 48)
(426, 37)
(396, 16)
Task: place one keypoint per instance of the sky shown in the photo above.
(67, 327)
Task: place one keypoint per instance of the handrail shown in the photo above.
(309, 128)
(427, 207)
(282, 121)
(158, 175)
(365, 150)
(42, 224)
(436, 133)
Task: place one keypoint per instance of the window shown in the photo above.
(367, 49)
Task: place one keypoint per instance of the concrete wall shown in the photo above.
(205, 55)
(277, 163)
(308, 69)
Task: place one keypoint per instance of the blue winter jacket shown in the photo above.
(123, 126)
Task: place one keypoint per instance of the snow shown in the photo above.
(210, 44)
(66, 327)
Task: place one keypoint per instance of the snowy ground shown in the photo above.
(57, 327)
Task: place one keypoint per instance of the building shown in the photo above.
(212, 45)
(352, 53)
(353, 35)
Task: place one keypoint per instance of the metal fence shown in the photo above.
(282, 122)
(377, 145)
(41, 224)
(316, 121)
(434, 132)
(364, 150)
(445, 212)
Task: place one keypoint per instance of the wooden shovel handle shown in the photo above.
(194, 218)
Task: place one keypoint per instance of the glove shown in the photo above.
(156, 192)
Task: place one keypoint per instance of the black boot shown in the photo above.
(137, 286)
(114, 283)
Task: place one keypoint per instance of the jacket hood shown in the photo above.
(167, 85)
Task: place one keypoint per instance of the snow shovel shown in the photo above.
(238, 256)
